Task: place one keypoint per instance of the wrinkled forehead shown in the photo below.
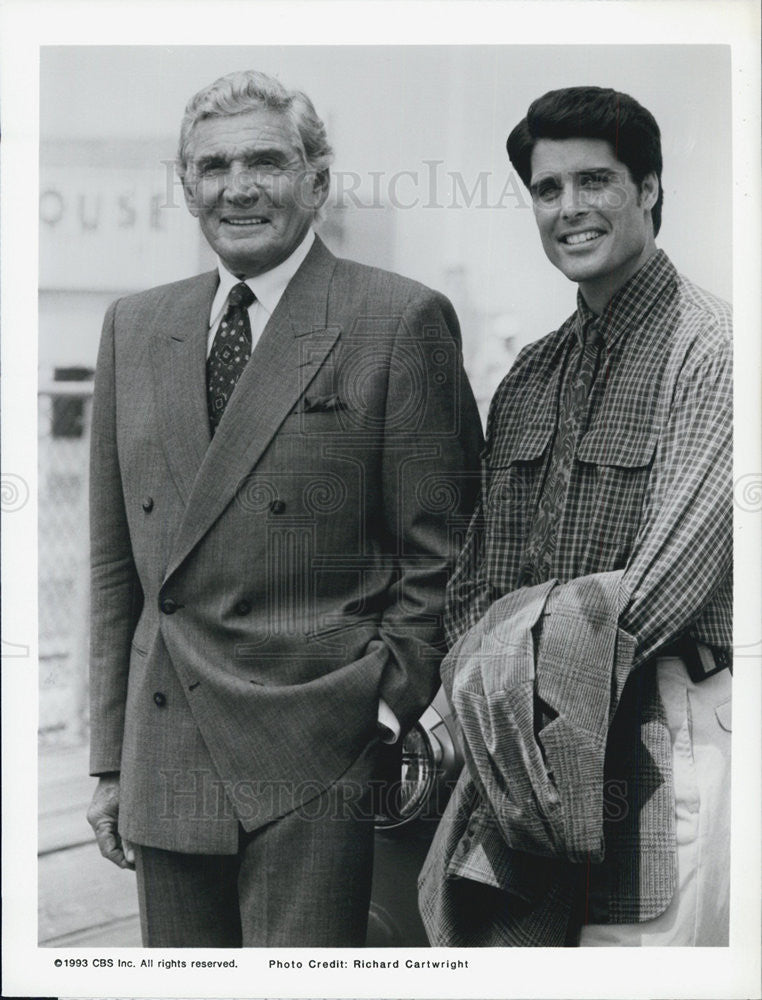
(251, 130)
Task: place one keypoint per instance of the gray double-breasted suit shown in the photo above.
(255, 593)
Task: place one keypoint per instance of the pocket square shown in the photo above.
(323, 404)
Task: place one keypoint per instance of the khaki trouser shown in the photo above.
(699, 723)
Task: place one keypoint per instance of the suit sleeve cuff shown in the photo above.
(388, 723)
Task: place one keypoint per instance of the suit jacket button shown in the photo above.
(160, 699)
(277, 506)
(168, 606)
(243, 607)
(147, 504)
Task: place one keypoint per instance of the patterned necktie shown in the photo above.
(572, 419)
(230, 352)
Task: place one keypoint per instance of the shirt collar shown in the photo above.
(268, 287)
(630, 304)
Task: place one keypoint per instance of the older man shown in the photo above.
(269, 544)
(591, 607)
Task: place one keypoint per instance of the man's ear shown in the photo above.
(649, 191)
(189, 192)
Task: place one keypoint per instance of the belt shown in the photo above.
(701, 660)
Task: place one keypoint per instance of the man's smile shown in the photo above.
(240, 220)
(580, 238)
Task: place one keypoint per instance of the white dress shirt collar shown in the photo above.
(268, 287)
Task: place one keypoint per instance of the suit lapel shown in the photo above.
(179, 369)
(293, 346)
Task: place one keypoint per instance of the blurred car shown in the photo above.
(421, 774)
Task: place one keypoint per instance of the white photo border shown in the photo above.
(25, 26)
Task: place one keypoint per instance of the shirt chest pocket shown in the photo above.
(515, 467)
(615, 468)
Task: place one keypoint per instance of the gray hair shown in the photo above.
(249, 90)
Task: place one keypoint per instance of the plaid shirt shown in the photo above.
(648, 500)
(650, 489)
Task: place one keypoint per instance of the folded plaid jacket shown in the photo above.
(540, 815)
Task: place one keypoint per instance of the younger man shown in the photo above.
(590, 609)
